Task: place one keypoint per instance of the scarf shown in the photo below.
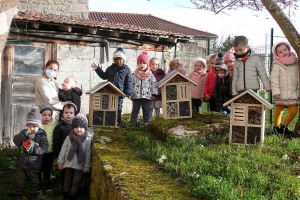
(76, 146)
(286, 60)
(142, 75)
(243, 57)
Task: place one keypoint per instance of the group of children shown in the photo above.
(218, 79)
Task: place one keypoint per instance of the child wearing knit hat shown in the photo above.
(48, 126)
(199, 76)
(285, 87)
(33, 142)
(118, 74)
(144, 87)
(75, 156)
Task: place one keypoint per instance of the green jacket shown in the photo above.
(49, 134)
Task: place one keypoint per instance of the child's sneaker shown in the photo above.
(276, 130)
(285, 130)
(47, 186)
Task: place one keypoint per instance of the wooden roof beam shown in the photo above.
(65, 28)
(34, 25)
(92, 31)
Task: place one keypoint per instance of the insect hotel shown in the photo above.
(176, 95)
(247, 118)
(104, 100)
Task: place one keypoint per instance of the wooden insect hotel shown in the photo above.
(247, 118)
(176, 95)
(104, 99)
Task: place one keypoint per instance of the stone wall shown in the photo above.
(76, 60)
(74, 8)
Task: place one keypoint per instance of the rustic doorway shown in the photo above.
(21, 63)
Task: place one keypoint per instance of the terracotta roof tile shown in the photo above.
(147, 21)
(94, 22)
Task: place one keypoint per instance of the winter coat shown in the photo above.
(63, 161)
(27, 160)
(245, 74)
(71, 95)
(210, 82)
(60, 133)
(197, 90)
(222, 91)
(49, 134)
(46, 91)
(284, 81)
(144, 89)
(160, 74)
(119, 76)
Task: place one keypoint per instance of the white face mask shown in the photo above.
(50, 73)
(221, 75)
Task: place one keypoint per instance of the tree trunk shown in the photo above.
(8, 9)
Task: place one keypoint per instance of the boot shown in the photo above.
(276, 130)
(285, 130)
(34, 196)
(18, 196)
(47, 186)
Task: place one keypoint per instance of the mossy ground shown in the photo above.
(137, 178)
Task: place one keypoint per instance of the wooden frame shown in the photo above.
(247, 119)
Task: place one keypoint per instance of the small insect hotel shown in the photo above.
(176, 95)
(104, 100)
(247, 118)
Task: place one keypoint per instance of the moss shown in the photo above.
(132, 176)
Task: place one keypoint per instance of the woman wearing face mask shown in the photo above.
(46, 88)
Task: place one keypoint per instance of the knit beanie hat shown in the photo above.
(120, 53)
(43, 106)
(203, 61)
(71, 105)
(80, 120)
(143, 58)
(34, 117)
(219, 60)
(229, 56)
(278, 43)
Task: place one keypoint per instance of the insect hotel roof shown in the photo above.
(111, 88)
(171, 75)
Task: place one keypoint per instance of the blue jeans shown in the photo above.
(120, 106)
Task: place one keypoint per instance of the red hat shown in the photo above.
(143, 58)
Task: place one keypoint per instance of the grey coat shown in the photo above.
(63, 161)
(246, 74)
(31, 161)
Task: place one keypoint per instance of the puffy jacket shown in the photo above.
(245, 74)
(197, 90)
(71, 95)
(119, 76)
(160, 74)
(210, 82)
(74, 164)
(284, 81)
(222, 91)
(144, 89)
(27, 160)
(60, 133)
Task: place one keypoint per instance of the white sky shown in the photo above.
(252, 24)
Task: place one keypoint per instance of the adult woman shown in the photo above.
(46, 89)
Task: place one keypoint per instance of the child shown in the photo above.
(198, 75)
(208, 63)
(247, 68)
(222, 92)
(144, 87)
(75, 157)
(69, 92)
(229, 61)
(62, 130)
(211, 81)
(176, 64)
(284, 83)
(34, 144)
(48, 126)
(158, 74)
(118, 74)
